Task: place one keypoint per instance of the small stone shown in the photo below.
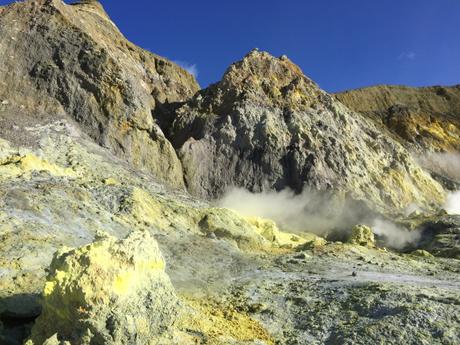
(302, 256)
(422, 253)
(257, 307)
(110, 181)
(354, 274)
(212, 236)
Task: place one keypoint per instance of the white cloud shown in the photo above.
(190, 68)
(407, 56)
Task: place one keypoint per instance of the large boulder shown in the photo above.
(108, 292)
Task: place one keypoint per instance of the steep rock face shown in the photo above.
(108, 292)
(266, 125)
(71, 59)
(240, 280)
(424, 119)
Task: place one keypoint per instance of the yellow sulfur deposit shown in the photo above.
(17, 165)
(106, 284)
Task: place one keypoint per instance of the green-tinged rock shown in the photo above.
(441, 235)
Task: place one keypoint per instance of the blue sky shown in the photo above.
(341, 44)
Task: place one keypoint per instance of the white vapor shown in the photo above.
(288, 210)
(393, 235)
(446, 164)
(452, 205)
(322, 214)
(190, 68)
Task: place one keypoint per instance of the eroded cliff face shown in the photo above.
(423, 119)
(267, 126)
(60, 59)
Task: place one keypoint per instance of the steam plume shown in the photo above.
(453, 203)
(394, 236)
(309, 211)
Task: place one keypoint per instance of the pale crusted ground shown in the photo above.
(239, 279)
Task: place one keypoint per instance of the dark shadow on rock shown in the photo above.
(17, 316)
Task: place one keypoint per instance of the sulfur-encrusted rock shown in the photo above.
(108, 292)
(362, 235)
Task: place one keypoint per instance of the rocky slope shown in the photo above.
(66, 189)
(267, 126)
(60, 59)
(423, 119)
(98, 246)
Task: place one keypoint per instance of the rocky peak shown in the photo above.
(260, 66)
(267, 126)
(264, 79)
(92, 5)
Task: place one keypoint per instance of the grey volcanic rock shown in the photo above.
(442, 236)
(267, 126)
(71, 59)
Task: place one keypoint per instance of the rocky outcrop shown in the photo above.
(71, 60)
(108, 292)
(424, 119)
(441, 236)
(362, 235)
(267, 126)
